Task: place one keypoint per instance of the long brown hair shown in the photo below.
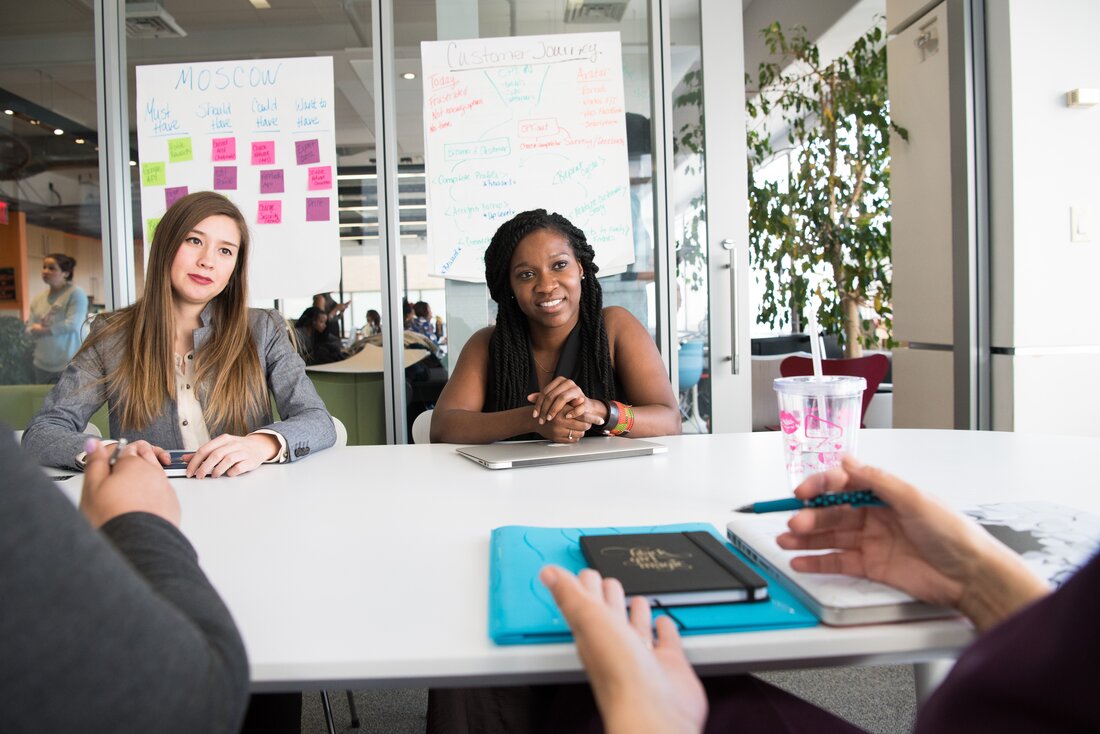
(227, 368)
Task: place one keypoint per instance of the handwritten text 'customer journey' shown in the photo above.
(512, 124)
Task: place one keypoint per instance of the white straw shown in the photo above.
(815, 342)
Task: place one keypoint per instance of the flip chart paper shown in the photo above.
(248, 122)
(512, 124)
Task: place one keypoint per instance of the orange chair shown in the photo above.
(872, 368)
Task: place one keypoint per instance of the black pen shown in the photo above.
(861, 498)
(118, 450)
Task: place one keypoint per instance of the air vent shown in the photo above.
(595, 11)
(151, 20)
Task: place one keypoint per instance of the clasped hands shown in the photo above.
(563, 413)
(226, 455)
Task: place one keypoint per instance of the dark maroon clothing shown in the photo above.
(1037, 671)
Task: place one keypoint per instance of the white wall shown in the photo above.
(1045, 158)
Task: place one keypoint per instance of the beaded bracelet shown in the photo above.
(620, 417)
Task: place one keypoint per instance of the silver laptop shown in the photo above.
(541, 453)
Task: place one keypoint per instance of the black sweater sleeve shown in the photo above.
(112, 631)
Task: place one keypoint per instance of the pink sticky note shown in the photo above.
(172, 194)
(320, 178)
(317, 209)
(308, 151)
(269, 212)
(263, 153)
(271, 182)
(225, 177)
(223, 149)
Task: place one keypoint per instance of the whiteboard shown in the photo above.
(512, 124)
(261, 132)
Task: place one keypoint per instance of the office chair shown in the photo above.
(872, 368)
(422, 428)
(691, 370)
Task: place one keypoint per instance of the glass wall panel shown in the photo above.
(467, 306)
(689, 219)
(195, 31)
(49, 188)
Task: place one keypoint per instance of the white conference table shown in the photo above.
(366, 567)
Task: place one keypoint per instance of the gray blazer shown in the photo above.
(55, 436)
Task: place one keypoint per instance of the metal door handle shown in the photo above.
(735, 346)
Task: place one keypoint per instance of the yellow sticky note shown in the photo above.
(151, 226)
(179, 150)
(153, 174)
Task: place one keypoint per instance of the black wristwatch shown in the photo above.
(612, 417)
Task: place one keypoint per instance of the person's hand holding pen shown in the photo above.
(117, 480)
(913, 543)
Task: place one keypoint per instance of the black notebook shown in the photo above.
(674, 569)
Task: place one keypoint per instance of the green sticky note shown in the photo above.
(179, 150)
(152, 174)
(151, 225)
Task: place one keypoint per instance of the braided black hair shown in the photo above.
(510, 345)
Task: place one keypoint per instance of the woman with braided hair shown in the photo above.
(557, 364)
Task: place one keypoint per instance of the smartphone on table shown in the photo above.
(178, 465)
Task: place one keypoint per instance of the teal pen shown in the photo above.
(862, 498)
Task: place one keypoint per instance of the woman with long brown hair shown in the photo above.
(189, 366)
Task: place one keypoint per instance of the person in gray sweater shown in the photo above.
(189, 365)
(107, 623)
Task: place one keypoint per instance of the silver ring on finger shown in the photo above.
(570, 434)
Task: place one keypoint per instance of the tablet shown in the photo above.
(541, 453)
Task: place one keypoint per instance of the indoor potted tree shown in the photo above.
(820, 238)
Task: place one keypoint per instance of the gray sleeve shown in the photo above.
(306, 424)
(55, 436)
(111, 631)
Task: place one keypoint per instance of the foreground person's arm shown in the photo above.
(914, 544)
(117, 630)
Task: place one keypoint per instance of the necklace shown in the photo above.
(539, 365)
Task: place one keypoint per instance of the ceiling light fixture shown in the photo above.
(79, 141)
(132, 163)
(58, 131)
(260, 4)
(9, 112)
(408, 75)
(33, 122)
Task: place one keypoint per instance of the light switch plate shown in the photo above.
(1080, 224)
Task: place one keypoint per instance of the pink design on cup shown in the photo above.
(788, 421)
(830, 429)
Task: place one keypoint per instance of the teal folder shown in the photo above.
(522, 611)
